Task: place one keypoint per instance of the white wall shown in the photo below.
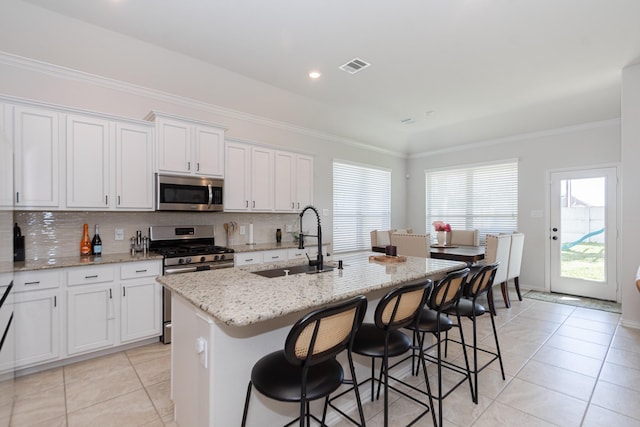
(537, 154)
(630, 235)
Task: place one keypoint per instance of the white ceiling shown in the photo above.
(486, 68)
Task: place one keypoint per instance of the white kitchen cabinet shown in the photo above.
(188, 147)
(140, 301)
(293, 181)
(36, 134)
(134, 166)
(248, 258)
(6, 158)
(37, 317)
(88, 162)
(249, 179)
(91, 308)
(275, 255)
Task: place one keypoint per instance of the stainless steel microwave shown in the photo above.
(189, 193)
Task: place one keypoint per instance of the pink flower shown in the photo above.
(441, 226)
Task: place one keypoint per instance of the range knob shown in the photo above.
(203, 259)
(188, 260)
(215, 258)
(180, 261)
(222, 257)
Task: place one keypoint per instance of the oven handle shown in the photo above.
(210, 196)
(179, 270)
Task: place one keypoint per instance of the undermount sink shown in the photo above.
(297, 269)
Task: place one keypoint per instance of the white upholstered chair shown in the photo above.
(497, 248)
(515, 261)
(382, 238)
(412, 244)
(465, 237)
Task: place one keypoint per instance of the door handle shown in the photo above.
(555, 237)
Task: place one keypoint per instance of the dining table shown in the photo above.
(468, 254)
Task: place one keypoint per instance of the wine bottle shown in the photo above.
(85, 243)
(96, 243)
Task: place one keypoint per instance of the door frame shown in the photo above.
(617, 213)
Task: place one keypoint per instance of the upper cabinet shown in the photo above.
(134, 166)
(188, 147)
(261, 179)
(6, 158)
(293, 178)
(36, 134)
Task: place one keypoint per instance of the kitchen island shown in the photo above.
(225, 320)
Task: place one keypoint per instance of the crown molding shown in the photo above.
(519, 138)
(58, 71)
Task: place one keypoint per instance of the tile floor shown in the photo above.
(564, 366)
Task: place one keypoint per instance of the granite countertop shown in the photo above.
(273, 246)
(237, 297)
(76, 261)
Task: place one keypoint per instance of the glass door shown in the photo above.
(583, 233)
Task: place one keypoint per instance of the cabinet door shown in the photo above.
(237, 184)
(304, 181)
(140, 309)
(284, 181)
(134, 167)
(261, 179)
(37, 157)
(87, 162)
(174, 146)
(91, 314)
(36, 318)
(209, 151)
(6, 158)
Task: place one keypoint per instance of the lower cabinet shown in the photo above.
(87, 308)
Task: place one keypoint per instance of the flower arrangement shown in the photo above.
(441, 226)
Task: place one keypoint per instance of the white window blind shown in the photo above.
(480, 196)
(361, 203)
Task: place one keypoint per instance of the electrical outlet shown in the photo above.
(288, 228)
(243, 230)
(119, 235)
(325, 212)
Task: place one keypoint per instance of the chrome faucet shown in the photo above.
(319, 263)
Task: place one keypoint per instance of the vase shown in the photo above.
(443, 238)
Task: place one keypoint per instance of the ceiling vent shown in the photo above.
(354, 66)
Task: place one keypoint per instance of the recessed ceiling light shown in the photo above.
(408, 121)
(429, 113)
(315, 74)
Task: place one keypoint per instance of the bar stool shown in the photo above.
(468, 307)
(382, 339)
(433, 319)
(307, 368)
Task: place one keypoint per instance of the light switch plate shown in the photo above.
(119, 234)
(325, 212)
(288, 228)
(243, 230)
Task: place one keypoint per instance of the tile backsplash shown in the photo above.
(54, 234)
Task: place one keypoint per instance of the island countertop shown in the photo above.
(238, 297)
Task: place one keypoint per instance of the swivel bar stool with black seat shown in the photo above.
(434, 320)
(468, 307)
(383, 340)
(307, 369)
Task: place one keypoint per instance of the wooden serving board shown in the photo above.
(387, 258)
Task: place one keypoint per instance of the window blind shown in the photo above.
(480, 196)
(361, 203)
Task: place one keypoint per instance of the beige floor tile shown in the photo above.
(626, 358)
(148, 352)
(132, 409)
(160, 395)
(558, 379)
(568, 360)
(617, 399)
(154, 371)
(626, 342)
(597, 315)
(499, 414)
(543, 403)
(601, 417)
(60, 421)
(585, 335)
(83, 393)
(595, 351)
(621, 375)
(39, 407)
(95, 368)
(39, 381)
(592, 325)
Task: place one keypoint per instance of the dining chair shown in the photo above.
(515, 261)
(307, 369)
(417, 245)
(468, 307)
(465, 237)
(497, 249)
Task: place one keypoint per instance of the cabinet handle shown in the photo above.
(188, 166)
(254, 204)
(32, 283)
(246, 203)
(118, 200)
(198, 167)
(55, 300)
(106, 200)
(17, 197)
(293, 205)
(110, 295)
(141, 271)
(275, 257)
(124, 291)
(249, 259)
(91, 277)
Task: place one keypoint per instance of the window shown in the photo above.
(479, 196)
(361, 203)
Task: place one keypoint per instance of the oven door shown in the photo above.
(188, 193)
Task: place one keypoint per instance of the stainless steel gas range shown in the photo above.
(186, 249)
